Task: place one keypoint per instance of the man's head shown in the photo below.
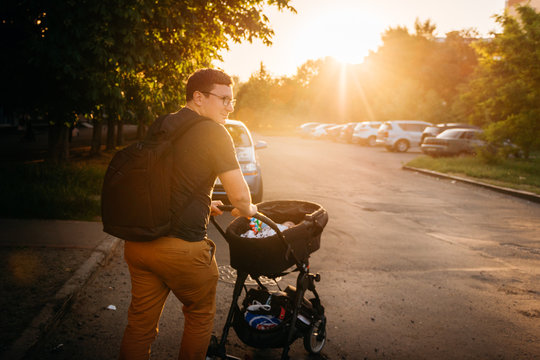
(209, 93)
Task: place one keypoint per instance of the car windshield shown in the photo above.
(450, 134)
(239, 135)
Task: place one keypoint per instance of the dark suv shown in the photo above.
(433, 131)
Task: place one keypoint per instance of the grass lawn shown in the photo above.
(512, 173)
(43, 190)
(72, 191)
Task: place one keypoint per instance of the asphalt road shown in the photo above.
(412, 267)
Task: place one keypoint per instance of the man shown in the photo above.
(184, 261)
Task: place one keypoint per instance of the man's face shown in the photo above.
(213, 103)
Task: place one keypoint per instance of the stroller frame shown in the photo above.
(314, 334)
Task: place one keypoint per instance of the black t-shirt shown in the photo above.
(205, 151)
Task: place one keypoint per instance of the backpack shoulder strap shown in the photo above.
(155, 131)
(186, 122)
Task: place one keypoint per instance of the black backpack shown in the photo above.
(136, 193)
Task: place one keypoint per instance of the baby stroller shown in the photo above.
(286, 315)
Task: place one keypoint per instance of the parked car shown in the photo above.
(247, 157)
(347, 130)
(319, 131)
(82, 126)
(366, 133)
(400, 135)
(333, 132)
(453, 142)
(432, 131)
(305, 130)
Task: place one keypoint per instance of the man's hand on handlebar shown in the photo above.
(236, 213)
(214, 208)
(252, 211)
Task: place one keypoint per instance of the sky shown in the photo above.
(349, 29)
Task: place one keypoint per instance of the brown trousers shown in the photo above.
(189, 270)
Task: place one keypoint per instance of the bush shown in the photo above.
(53, 191)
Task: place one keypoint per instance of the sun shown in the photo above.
(342, 34)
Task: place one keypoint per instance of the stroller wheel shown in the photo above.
(315, 338)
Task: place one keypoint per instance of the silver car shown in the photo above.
(247, 157)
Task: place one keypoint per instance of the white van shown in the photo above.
(400, 135)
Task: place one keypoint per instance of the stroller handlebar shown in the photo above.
(228, 208)
(265, 219)
(257, 215)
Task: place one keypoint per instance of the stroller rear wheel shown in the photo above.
(315, 338)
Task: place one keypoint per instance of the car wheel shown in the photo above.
(402, 145)
(372, 141)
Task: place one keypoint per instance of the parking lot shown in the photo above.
(412, 267)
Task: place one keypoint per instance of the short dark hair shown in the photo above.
(203, 80)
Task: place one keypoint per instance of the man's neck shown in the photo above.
(192, 108)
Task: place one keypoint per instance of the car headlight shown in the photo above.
(248, 168)
(245, 154)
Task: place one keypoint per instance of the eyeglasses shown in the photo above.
(226, 100)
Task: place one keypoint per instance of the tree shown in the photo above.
(421, 74)
(412, 75)
(504, 95)
(100, 57)
(254, 100)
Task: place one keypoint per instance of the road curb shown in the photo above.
(517, 193)
(55, 309)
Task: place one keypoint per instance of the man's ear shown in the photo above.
(198, 98)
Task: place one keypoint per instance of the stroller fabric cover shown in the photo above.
(268, 256)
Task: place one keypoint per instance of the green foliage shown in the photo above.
(416, 76)
(125, 58)
(268, 103)
(411, 76)
(516, 173)
(42, 190)
(504, 95)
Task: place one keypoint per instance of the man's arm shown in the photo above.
(238, 192)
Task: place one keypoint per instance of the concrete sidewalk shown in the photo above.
(59, 240)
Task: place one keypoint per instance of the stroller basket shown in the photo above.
(273, 338)
(268, 256)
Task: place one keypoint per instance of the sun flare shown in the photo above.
(342, 34)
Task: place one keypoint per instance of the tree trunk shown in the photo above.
(141, 129)
(95, 149)
(120, 133)
(29, 134)
(53, 141)
(111, 139)
(58, 143)
(65, 135)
